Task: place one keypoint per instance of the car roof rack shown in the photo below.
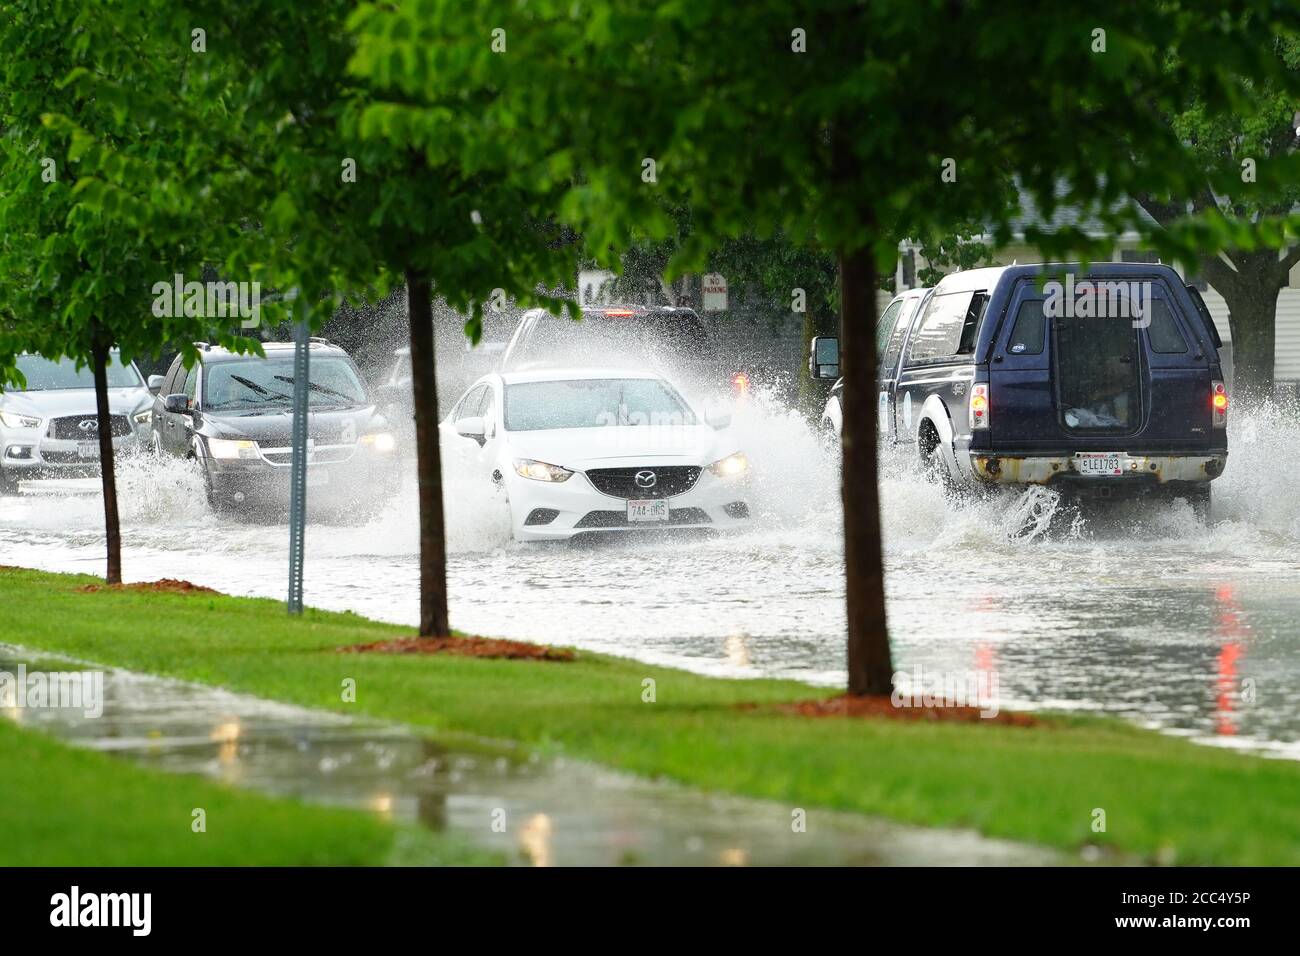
(318, 340)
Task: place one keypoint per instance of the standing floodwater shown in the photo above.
(1139, 610)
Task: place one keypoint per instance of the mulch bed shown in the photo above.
(464, 647)
(882, 707)
(161, 586)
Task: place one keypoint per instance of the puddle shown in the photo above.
(536, 811)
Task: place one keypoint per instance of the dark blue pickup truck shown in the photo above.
(1105, 382)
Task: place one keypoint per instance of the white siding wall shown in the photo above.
(1287, 356)
(1288, 335)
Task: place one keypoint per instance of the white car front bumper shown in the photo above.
(558, 511)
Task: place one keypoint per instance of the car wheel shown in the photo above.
(8, 485)
(934, 463)
(1203, 504)
(208, 491)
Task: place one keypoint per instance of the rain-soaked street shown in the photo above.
(1140, 611)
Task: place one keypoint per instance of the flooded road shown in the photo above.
(532, 811)
(1140, 611)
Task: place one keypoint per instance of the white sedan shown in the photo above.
(596, 451)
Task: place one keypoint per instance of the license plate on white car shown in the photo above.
(647, 511)
(87, 449)
(1102, 463)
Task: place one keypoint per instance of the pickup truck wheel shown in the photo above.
(936, 468)
(1202, 504)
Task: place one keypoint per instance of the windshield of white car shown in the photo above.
(44, 374)
(667, 341)
(590, 403)
(269, 382)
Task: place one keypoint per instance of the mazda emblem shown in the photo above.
(646, 479)
(88, 425)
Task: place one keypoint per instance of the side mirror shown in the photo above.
(472, 427)
(717, 417)
(155, 383)
(824, 357)
(177, 404)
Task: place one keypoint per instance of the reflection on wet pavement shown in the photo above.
(1136, 610)
(535, 811)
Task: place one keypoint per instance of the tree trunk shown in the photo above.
(870, 668)
(112, 530)
(424, 393)
(1252, 316)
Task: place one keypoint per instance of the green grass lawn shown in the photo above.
(1163, 797)
(67, 806)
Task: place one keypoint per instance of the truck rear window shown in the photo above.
(1163, 332)
(1029, 333)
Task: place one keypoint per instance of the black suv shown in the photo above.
(234, 415)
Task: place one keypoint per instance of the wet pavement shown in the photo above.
(534, 811)
(1136, 610)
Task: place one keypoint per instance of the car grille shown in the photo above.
(69, 427)
(618, 519)
(67, 458)
(621, 482)
(317, 456)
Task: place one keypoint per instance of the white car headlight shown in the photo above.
(540, 470)
(730, 467)
(232, 448)
(14, 420)
(380, 441)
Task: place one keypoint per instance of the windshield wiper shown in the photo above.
(250, 384)
(317, 387)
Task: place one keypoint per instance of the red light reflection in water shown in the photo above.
(1231, 626)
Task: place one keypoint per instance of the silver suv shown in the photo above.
(50, 429)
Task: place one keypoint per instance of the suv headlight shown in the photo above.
(380, 441)
(730, 467)
(232, 448)
(14, 420)
(540, 470)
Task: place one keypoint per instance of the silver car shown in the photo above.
(49, 429)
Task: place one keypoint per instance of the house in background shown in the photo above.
(1128, 249)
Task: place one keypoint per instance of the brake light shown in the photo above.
(979, 406)
(622, 312)
(740, 383)
(1219, 404)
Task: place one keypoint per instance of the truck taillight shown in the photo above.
(979, 406)
(740, 384)
(1219, 404)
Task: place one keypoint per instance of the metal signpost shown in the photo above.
(298, 469)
